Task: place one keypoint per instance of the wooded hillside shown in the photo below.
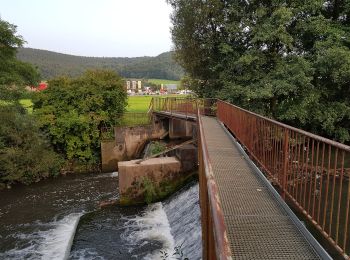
(52, 64)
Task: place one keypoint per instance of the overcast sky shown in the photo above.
(110, 28)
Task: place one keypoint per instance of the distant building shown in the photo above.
(171, 88)
(42, 86)
(133, 84)
(139, 85)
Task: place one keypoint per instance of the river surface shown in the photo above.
(60, 219)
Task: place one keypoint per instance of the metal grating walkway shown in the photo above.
(258, 227)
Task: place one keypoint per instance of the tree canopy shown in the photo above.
(13, 71)
(25, 153)
(285, 59)
(72, 111)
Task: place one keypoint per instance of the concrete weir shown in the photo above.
(152, 179)
(128, 142)
(134, 177)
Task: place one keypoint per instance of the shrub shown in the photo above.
(25, 153)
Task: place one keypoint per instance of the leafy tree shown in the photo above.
(286, 59)
(9, 40)
(25, 154)
(72, 111)
(197, 34)
(13, 71)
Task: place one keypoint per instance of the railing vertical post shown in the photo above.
(203, 199)
(211, 240)
(285, 163)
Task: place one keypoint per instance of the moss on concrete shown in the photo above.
(154, 192)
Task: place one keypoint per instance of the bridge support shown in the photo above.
(129, 142)
(179, 128)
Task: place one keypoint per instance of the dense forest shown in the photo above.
(52, 64)
(289, 60)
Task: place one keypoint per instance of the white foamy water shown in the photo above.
(86, 254)
(105, 175)
(175, 223)
(153, 225)
(51, 240)
(184, 218)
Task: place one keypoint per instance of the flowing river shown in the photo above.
(60, 219)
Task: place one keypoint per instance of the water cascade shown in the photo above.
(60, 219)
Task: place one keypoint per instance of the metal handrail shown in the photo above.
(311, 171)
(218, 246)
(314, 136)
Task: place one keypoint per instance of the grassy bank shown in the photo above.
(138, 103)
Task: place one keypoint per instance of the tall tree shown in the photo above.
(276, 57)
(13, 71)
(25, 154)
(197, 35)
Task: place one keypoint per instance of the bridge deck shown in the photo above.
(258, 227)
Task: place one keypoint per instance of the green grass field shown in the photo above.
(141, 103)
(135, 103)
(27, 104)
(138, 103)
(163, 81)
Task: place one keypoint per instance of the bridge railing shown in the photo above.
(124, 119)
(184, 105)
(214, 233)
(312, 172)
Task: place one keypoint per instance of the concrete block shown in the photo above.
(157, 170)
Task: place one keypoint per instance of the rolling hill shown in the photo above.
(52, 64)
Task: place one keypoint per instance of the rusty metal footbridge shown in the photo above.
(252, 171)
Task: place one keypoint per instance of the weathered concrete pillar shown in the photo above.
(110, 154)
(188, 156)
(180, 128)
(128, 143)
(134, 178)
